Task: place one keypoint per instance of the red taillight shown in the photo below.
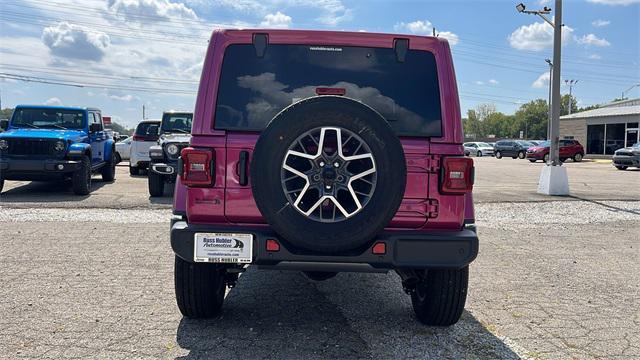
(273, 245)
(197, 167)
(457, 175)
(379, 248)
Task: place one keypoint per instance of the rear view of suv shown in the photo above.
(145, 136)
(325, 152)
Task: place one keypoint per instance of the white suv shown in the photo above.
(146, 135)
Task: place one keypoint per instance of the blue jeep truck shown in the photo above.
(44, 143)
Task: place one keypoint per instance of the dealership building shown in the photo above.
(606, 129)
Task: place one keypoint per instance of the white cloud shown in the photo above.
(541, 81)
(416, 27)
(592, 40)
(451, 37)
(595, 57)
(75, 41)
(127, 97)
(151, 10)
(276, 21)
(332, 12)
(54, 101)
(425, 27)
(493, 82)
(614, 2)
(537, 36)
(600, 23)
(479, 82)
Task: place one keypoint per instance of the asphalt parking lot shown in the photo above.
(555, 278)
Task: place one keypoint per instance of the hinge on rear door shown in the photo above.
(434, 163)
(432, 208)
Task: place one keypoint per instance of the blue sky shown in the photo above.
(121, 54)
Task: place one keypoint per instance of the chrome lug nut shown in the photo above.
(321, 163)
(336, 164)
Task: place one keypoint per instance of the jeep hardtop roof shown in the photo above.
(75, 108)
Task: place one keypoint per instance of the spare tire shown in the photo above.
(328, 174)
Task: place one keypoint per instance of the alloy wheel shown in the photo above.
(329, 174)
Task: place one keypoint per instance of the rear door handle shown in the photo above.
(242, 168)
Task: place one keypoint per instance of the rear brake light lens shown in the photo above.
(273, 245)
(197, 167)
(379, 248)
(457, 175)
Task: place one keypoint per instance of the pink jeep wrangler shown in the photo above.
(325, 152)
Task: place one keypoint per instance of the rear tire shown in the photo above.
(118, 158)
(108, 171)
(199, 287)
(617, 167)
(521, 155)
(545, 158)
(134, 171)
(439, 298)
(532, 160)
(498, 154)
(156, 184)
(81, 180)
(479, 154)
(577, 157)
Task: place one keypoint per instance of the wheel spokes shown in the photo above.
(324, 180)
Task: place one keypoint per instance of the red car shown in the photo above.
(325, 152)
(569, 149)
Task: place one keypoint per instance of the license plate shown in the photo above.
(223, 248)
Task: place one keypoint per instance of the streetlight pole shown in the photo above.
(570, 83)
(553, 178)
(549, 103)
(629, 89)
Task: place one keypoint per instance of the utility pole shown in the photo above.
(549, 103)
(570, 83)
(553, 178)
(144, 116)
(629, 89)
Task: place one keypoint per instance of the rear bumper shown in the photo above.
(23, 169)
(404, 249)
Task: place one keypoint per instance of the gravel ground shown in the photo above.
(553, 280)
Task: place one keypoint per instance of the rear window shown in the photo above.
(253, 90)
(176, 122)
(147, 128)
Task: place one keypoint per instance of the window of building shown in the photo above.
(595, 139)
(615, 138)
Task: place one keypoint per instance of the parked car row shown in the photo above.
(532, 150)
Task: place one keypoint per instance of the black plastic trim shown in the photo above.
(405, 249)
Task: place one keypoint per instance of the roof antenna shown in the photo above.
(434, 32)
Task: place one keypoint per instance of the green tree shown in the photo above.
(564, 104)
(472, 126)
(121, 129)
(6, 113)
(532, 119)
